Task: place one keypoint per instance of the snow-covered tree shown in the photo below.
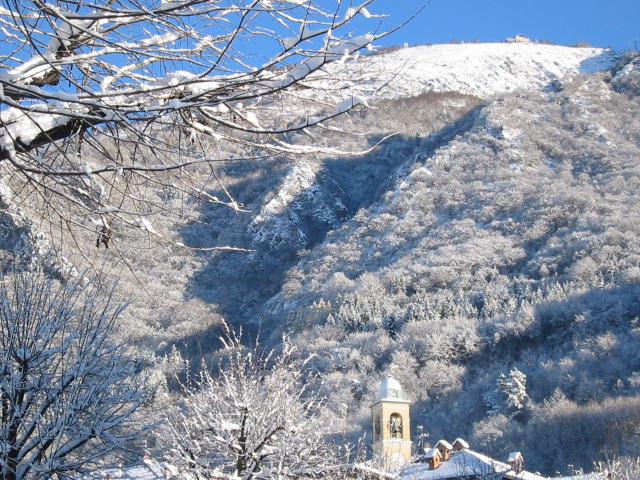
(106, 105)
(254, 416)
(69, 390)
(513, 390)
(509, 397)
(620, 468)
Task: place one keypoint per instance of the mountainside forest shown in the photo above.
(486, 254)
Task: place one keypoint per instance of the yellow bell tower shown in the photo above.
(391, 425)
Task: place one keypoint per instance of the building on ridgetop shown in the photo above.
(519, 38)
(391, 424)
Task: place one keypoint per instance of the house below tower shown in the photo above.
(393, 458)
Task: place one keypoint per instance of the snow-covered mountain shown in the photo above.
(497, 229)
(498, 232)
(476, 70)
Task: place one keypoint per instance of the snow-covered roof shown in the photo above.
(148, 470)
(390, 389)
(431, 453)
(351, 470)
(519, 37)
(463, 463)
(466, 463)
(460, 441)
(513, 456)
(445, 444)
(586, 476)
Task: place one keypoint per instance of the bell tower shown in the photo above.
(391, 424)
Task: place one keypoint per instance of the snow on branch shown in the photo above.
(100, 80)
(254, 416)
(69, 390)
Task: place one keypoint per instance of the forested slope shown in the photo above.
(508, 247)
(486, 255)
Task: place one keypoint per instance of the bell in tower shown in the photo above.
(391, 425)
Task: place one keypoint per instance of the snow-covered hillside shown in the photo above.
(507, 236)
(492, 231)
(481, 70)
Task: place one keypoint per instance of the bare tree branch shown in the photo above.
(87, 85)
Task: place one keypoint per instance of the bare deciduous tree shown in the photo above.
(253, 417)
(68, 390)
(107, 104)
(619, 468)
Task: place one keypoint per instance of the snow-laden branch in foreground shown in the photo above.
(147, 92)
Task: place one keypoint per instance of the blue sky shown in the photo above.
(602, 23)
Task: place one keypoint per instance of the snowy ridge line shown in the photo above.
(480, 70)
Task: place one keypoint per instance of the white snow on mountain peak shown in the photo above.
(481, 70)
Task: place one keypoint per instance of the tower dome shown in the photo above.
(390, 389)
